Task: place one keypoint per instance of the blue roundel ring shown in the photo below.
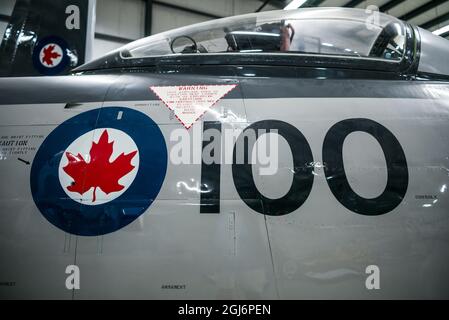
(36, 56)
(93, 220)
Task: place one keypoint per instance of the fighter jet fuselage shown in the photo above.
(279, 167)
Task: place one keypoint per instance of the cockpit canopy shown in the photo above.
(332, 31)
(337, 38)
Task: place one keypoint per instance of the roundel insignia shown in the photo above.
(50, 55)
(91, 182)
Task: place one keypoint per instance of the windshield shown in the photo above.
(330, 31)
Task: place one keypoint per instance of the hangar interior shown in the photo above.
(121, 21)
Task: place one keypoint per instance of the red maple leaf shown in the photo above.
(99, 172)
(49, 55)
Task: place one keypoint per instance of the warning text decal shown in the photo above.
(189, 103)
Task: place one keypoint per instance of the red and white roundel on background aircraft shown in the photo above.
(51, 55)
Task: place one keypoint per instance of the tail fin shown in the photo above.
(47, 37)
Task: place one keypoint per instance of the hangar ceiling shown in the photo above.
(122, 21)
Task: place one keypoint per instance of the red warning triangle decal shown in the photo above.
(189, 103)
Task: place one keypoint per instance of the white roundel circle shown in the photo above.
(51, 55)
(124, 149)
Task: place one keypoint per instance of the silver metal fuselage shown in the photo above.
(320, 250)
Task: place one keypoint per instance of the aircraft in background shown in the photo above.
(46, 37)
(143, 168)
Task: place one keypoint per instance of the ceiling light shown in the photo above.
(441, 31)
(295, 4)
